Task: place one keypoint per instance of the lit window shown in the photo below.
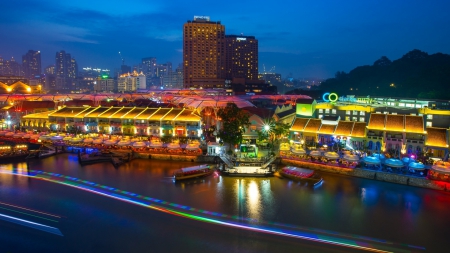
(355, 118)
(361, 119)
(347, 118)
(333, 111)
(320, 110)
(355, 112)
(362, 113)
(327, 110)
(347, 113)
(429, 124)
(430, 116)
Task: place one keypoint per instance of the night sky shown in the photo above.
(310, 39)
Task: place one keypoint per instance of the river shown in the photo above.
(221, 214)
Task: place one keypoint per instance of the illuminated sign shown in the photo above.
(239, 39)
(206, 18)
(330, 97)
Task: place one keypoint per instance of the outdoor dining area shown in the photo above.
(440, 171)
(405, 165)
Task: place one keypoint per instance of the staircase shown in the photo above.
(227, 161)
(271, 160)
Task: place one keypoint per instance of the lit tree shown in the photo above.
(234, 122)
(273, 131)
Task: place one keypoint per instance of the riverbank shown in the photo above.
(374, 175)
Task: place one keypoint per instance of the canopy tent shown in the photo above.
(379, 156)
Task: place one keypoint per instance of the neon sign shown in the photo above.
(330, 97)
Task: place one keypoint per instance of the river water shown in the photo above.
(230, 212)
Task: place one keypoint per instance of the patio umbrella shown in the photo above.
(371, 160)
(331, 155)
(139, 144)
(88, 140)
(351, 158)
(97, 141)
(391, 162)
(315, 153)
(76, 140)
(407, 160)
(416, 166)
(298, 151)
(173, 146)
(192, 146)
(123, 143)
(379, 156)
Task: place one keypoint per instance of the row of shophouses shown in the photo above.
(352, 126)
(374, 128)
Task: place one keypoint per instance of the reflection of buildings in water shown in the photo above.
(251, 196)
(9, 180)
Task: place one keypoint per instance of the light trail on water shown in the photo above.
(327, 239)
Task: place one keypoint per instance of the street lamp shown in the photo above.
(267, 128)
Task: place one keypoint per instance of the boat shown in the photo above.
(301, 174)
(193, 172)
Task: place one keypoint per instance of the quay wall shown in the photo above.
(374, 175)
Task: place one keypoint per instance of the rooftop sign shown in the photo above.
(204, 18)
(238, 38)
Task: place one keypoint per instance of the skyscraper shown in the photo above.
(203, 53)
(31, 64)
(66, 70)
(241, 57)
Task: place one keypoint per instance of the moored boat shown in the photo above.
(301, 174)
(193, 172)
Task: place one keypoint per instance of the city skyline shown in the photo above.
(305, 39)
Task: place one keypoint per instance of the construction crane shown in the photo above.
(123, 61)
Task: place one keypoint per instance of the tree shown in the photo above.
(234, 122)
(273, 131)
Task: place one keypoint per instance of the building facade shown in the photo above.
(131, 82)
(203, 53)
(66, 70)
(177, 122)
(31, 64)
(241, 57)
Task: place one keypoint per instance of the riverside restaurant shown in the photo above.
(142, 121)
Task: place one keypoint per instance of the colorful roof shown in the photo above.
(135, 112)
(436, 137)
(414, 124)
(313, 125)
(40, 115)
(376, 121)
(395, 122)
(172, 114)
(188, 115)
(72, 112)
(299, 124)
(159, 114)
(327, 129)
(111, 112)
(96, 113)
(359, 129)
(344, 128)
(147, 113)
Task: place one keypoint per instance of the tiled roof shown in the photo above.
(41, 115)
(327, 129)
(286, 113)
(188, 115)
(313, 125)
(299, 124)
(147, 113)
(72, 112)
(436, 137)
(376, 121)
(344, 128)
(159, 114)
(414, 124)
(395, 122)
(96, 113)
(359, 129)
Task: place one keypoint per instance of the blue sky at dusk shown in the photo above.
(305, 38)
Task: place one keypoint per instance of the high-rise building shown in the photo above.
(149, 66)
(66, 70)
(10, 68)
(241, 57)
(203, 53)
(104, 84)
(31, 64)
(131, 82)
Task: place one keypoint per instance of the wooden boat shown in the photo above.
(194, 171)
(301, 174)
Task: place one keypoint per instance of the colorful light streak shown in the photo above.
(28, 209)
(329, 239)
(31, 224)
